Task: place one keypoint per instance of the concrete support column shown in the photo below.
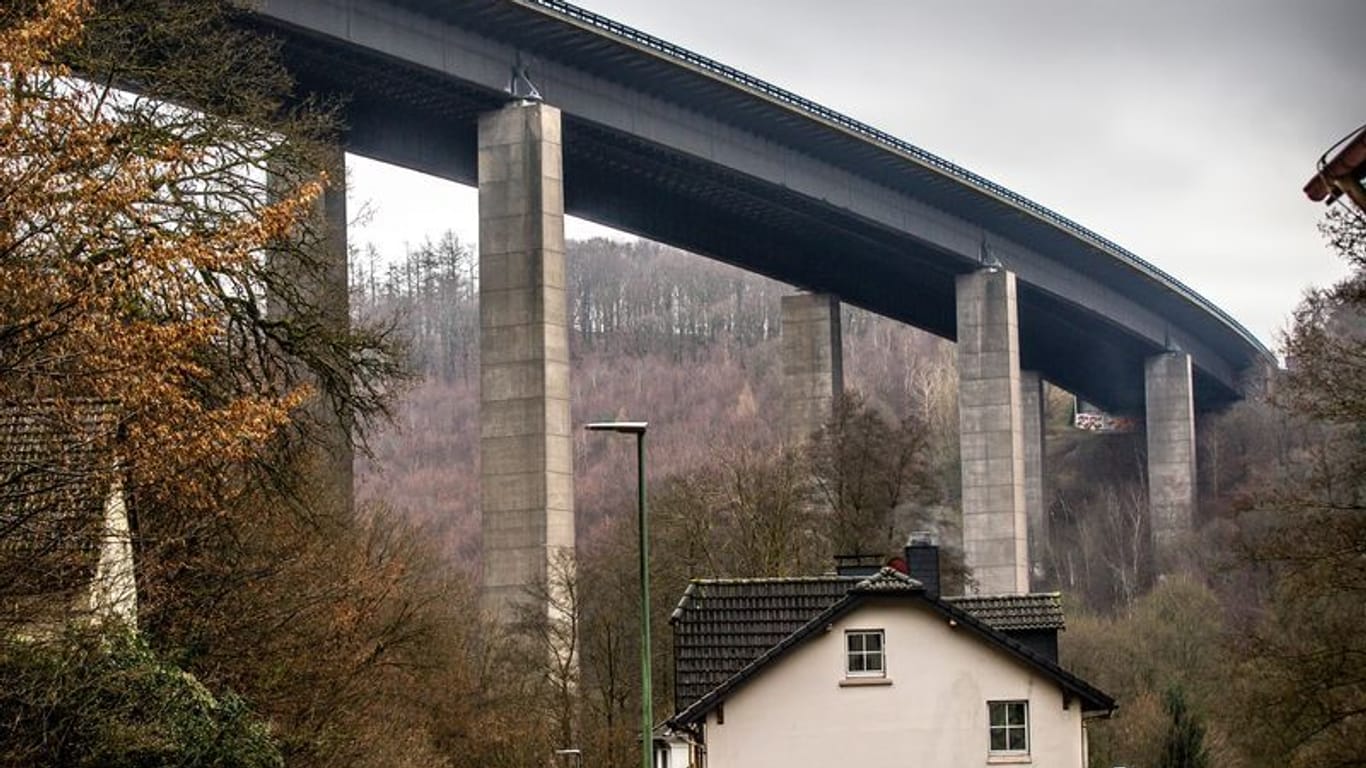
(526, 460)
(319, 293)
(813, 362)
(1257, 382)
(1035, 453)
(334, 294)
(1171, 454)
(991, 433)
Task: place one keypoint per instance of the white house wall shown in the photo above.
(113, 591)
(933, 712)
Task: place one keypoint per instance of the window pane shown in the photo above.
(998, 740)
(1009, 725)
(863, 651)
(1017, 739)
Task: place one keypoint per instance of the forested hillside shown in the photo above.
(687, 343)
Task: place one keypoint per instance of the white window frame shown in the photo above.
(880, 654)
(992, 728)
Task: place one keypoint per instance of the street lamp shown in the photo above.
(647, 724)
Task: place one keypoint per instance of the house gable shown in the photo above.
(893, 584)
(723, 625)
(930, 708)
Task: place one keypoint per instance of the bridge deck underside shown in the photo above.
(421, 120)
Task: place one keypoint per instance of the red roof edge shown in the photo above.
(1349, 162)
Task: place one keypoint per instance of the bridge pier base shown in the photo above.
(525, 446)
(1169, 397)
(1035, 453)
(813, 362)
(991, 433)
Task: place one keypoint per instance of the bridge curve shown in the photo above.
(675, 147)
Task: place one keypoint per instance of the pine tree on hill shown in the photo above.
(1184, 744)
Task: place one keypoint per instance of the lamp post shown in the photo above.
(637, 428)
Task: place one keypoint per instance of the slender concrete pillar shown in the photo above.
(1171, 454)
(318, 292)
(1257, 382)
(526, 460)
(335, 296)
(813, 362)
(1035, 453)
(991, 433)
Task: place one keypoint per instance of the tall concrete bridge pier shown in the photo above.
(321, 302)
(1170, 425)
(813, 362)
(991, 432)
(526, 476)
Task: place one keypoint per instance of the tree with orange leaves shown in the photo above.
(159, 251)
(139, 244)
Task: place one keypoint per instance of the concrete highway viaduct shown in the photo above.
(652, 139)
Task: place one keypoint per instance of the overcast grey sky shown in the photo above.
(1181, 129)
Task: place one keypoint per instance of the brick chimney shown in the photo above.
(922, 561)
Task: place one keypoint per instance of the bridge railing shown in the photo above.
(952, 170)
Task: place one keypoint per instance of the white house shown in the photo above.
(65, 542)
(883, 673)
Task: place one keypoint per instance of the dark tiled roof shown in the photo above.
(722, 625)
(1015, 613)
(884, 585)
(56, 470)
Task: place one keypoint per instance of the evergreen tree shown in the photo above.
(1184, 744)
